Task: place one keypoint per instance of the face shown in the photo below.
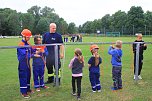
(95, 50)
(52, 28)
(38, 40)
(26, 38)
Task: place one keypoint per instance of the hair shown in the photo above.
(36, 38)
(78, 53)
(52, 24)
(118, 43)
(139, 36)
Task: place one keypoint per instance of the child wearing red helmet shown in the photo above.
(94, 69)
(24, 55)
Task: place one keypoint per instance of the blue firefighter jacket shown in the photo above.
(23, 54)
(116, 56)
(93, 68)
(37, 61)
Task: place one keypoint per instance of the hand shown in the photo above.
(112, 46)
(36, 55)
(145, 45)
(38, 50)
(61, 56)
(96, 54)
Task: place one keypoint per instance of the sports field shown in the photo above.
(141, 91)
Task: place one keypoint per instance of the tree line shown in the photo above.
(37, 19)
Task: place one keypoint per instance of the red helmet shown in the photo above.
(94, 46)
(26, 33)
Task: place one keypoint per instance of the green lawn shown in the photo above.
(9, 84)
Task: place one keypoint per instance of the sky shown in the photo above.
(78, 11)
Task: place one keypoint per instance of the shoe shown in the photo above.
(99, 91)
(37, 89)
(139, 77)
(26, 96)
(93, 91)
(78, 98)
(74, 94)
(30, 91)
(114, 88)
(119, 88)
(45, 87)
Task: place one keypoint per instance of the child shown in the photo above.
(116, 65)
(38, 55)
(76, 64)
(94, 69)
(24, 55)
(142, 47)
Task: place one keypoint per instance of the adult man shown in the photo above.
(51, 38)
(142, 47)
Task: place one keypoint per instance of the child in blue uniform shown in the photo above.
(38, 55)
(116, 65)
(94, 69)
(76, 64)
(24, 70)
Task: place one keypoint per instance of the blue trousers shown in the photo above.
(116, 76)
(24, 73)
(95, 81)
(38, 76)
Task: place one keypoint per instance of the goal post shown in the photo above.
(113, 34)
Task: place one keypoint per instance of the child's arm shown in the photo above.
(45, 52)
(35, 53)
(90, 62)
(71, 63)
(100, 60)
(110, 50)
(89, 65)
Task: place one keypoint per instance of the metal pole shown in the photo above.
(145, 29)
(133, 30)
(122, 31)
(56, 81)
(104, 31)
(137, 61)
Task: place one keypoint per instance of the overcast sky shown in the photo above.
(78, 11)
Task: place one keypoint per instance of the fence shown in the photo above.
(66, 44)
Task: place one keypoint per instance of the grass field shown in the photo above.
(141, 91)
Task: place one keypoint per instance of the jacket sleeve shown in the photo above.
(71, 63)
(43, 39)
(21, 53)
(145, 47)
(45, 52)
(100, 60)
(134, 47)
(110, 51)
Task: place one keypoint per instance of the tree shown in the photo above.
(4, 14)
(35, 11)
(118, 20)
(135, 19)
(14, 24)
(46, 11)
(27, 21)
(42, 26)
(148, 21)
(106, 21)
(72, 28)
(87, 27)
(63, 26)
